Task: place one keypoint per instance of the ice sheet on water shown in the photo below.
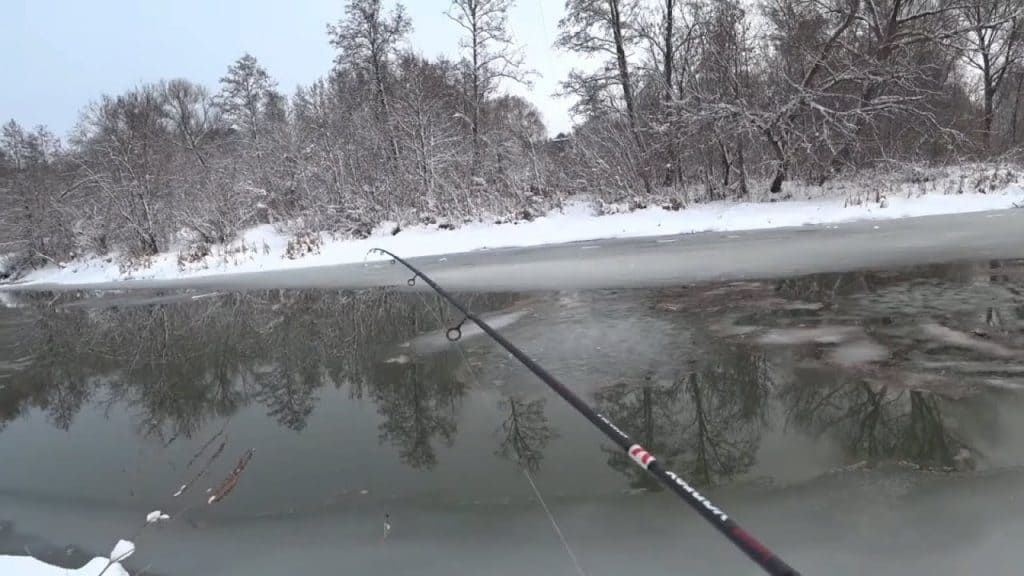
(960, 339)
(438, 340)
(818, 335)
(858, 352)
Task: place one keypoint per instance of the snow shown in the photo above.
(262, 248)
(28, 566)
(157, 516)
(122, 550)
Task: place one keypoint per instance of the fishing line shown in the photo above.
(551, 517)
(700, 503)
(529, 477)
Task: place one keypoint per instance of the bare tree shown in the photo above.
(605, 27)
(431, 138)
(519, 135)
(779, 127)
(721, 73)
(367, 39)
(124, 142)
(192, 111)
(893, 41)
(246, 91)
(251, 105)
(489, 57)
(33, 221)
(669, 37)
(991, 45)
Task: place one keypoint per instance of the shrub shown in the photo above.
(305, 242)
(192, 253)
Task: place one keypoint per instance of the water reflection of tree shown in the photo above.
(828, 287)
(178, 364)
(178, 367)
(525, 431)
(706, 424)
(59, 378)
(874, 422)
(419, 404)
(896, 411)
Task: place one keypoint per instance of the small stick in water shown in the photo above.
(231, 481)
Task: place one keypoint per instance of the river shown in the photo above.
(856, 422)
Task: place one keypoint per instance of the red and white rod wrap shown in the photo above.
(641, 456)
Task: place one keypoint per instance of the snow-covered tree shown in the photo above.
(488, 56)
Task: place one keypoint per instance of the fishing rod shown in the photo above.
(757, 552)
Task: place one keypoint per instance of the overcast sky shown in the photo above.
(58, 55)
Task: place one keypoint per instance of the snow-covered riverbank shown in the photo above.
(264, 249)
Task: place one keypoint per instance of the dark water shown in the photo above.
(869, 421)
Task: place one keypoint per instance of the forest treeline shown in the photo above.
(686, 101)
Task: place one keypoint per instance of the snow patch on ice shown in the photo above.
(28, 566)
(156, 516)
(122, 550)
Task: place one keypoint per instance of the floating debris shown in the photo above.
(231, 481)
(209, 462)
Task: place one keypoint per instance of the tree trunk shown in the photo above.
(1016, 108)
(742, 167)
(782, 166)
(726, 164)
(669, 25)
(989, 111)
(385, 108)
(627, 91)
(668, 53)
(703, 467)
(476, 91)
(780, 177)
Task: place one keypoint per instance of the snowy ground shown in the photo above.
(27, 566)
(264, 249)
(99, 566)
